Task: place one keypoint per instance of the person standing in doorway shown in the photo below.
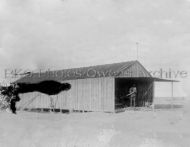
(132, 94)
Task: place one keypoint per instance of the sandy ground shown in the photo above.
(159, 128)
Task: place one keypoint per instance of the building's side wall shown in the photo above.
(95, 94)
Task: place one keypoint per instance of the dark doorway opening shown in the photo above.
(144, 95)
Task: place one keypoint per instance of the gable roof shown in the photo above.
(123, 69)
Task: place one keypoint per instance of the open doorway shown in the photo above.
(144, 95)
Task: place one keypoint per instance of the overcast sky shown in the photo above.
(60, 34)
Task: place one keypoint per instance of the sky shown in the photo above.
(57, 34)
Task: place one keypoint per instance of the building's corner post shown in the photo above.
(114, 94)
(153, 95)
(172, 95)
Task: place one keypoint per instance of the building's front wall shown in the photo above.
(93, 94)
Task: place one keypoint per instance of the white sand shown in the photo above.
(163, 128)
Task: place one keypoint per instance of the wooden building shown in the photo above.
(96, 88)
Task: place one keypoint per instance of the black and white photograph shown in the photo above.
(94, 73)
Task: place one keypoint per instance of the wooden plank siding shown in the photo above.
(135, 70)
(92, 94)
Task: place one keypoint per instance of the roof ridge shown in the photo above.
(97, 65)
(92, 66)
(105, 70)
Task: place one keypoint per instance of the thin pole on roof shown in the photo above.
(137, 49)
